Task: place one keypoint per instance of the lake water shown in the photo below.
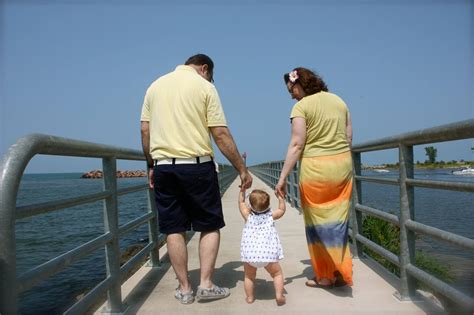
(43, 237)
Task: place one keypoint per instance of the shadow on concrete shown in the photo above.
(426, 301)
(148, 283)
(228, 276)
(224, 276)
(308, 273)
(145, 287)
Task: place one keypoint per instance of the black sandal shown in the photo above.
(339, 280)
(313, 283)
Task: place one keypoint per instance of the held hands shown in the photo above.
(242, 196)
(245, 181)
(280, 188)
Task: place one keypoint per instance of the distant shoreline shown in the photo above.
(457, 165)
(121, 174)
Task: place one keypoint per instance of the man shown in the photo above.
(180, 111)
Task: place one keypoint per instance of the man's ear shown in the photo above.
(204, 68)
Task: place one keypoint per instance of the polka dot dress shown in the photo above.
(260, 241)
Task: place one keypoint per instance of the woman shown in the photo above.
(321, 137)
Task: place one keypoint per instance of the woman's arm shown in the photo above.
(295, 148)
(278, 213)
(244, 211)
(349, 129)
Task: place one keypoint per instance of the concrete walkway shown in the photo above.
(151, 290)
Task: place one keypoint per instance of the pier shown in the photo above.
(151, 290)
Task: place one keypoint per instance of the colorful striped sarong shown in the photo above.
(326, 188)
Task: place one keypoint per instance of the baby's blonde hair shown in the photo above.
(259, 200)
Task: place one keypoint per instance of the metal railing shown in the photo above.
(12, 168)
(226, 176)
(269, 173)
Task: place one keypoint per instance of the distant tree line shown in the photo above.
(431, 153)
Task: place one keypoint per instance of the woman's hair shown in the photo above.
(259, 200)
(311, 82)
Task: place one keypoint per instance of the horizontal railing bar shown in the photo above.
(131, 225)
(389, 181)
(441, 287)
(264, 174)
(458, 186)
(131, 189)
(52, 145)
(45, 207)
(228, 177)
(449, 237)
(135, 260)
(379, 214)
(291, 183)
(53, 266)
(228, 174)
(90, 298)
(379, 249)
(454, 131)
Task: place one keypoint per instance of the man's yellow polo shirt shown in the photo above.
(180, 107)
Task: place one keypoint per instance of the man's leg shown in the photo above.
(208, 249)
(178, 254)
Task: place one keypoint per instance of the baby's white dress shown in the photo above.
(260, 243)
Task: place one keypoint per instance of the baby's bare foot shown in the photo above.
(281, 300)
(249, 299)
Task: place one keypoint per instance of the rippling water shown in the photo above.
(451, 211)
(43, 237)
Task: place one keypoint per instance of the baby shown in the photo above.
(260, 245)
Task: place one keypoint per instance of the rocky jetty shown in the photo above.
(120, 174)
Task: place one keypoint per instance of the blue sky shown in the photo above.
(79, 69)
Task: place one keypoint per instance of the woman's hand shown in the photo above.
(280, 188)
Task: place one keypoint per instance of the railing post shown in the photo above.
(8, 281)
(112, 249)
(153, 229)
(356, 199)
(276, 173)
(407, 238)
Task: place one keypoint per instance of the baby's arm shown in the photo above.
(244, 211)
(278, 213)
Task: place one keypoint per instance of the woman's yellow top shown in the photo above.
(326, 117)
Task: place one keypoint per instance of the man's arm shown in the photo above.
(226, 145)
(145, 131)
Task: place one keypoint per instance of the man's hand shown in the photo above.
(245, 181)
(150, 178)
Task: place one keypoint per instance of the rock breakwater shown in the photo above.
(120, 174)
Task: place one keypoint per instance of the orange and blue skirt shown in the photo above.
(326, 189)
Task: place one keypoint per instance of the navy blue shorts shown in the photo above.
(187, 197)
